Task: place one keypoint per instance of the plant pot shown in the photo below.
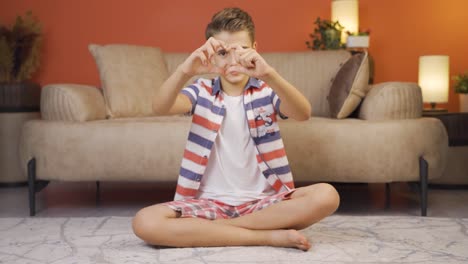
(357, 42)
(20, 97)
(463, 102)
(332, 39)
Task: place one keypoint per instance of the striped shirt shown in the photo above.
(261, 105)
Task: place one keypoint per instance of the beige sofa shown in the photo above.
(81, 139)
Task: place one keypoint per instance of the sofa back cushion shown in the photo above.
(129, 76)
(311, 72)
(349, 86)
(72, 102)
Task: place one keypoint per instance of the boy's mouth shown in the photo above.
(232, 72)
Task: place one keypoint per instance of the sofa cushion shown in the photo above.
(72, 102)
(129, 75)
(392, 100)
(355, 150)
(349, 86)
(123, 149)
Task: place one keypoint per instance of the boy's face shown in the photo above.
(225, 59)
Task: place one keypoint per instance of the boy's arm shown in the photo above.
(293, 103)
(168, 100)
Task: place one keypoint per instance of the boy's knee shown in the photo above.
(147, 221)
(326, 195)
(141, 224)
(331, 196)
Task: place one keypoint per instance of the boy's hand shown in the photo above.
(200, 61)
(250, 63)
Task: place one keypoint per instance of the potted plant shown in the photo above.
(326, 36)
(358, 40)
(461, 87)
(20, 47)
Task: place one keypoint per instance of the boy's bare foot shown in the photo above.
(289, 238)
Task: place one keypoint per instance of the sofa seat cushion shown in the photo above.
(130, 75)
(151, 149)
(133, 149)
(354, 150)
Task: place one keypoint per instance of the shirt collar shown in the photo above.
(253, 82)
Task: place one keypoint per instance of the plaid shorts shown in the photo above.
(212, 209)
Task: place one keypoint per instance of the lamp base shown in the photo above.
(435, 110)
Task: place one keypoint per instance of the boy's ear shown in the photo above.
(254, 45)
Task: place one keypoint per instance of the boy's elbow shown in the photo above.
(305, 115)
(302, 114)
(158, 109)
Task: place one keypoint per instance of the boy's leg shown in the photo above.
(307, 206)
(159, 225)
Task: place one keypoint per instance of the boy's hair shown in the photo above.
(231, 20)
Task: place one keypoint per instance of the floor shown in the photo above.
(60, 199)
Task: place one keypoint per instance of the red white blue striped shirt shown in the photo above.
(261, 105)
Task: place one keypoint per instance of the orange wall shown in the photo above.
(401, 30)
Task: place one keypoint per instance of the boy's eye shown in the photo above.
(222, 52)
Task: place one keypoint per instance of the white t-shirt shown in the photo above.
(232, 174)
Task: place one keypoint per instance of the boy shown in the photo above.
(235, 186)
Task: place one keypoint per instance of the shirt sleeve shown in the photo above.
(192, 92)
(276, 104)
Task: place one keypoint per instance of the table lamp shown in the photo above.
(434, 80)
(347, 13)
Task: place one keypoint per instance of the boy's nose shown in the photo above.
(232, 58)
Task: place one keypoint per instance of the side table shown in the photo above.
(456, 124)
(11, 124)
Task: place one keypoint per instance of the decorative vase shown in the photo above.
(463, 102)
(20, 97)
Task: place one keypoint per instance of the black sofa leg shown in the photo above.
(423, 183)
(387, 195)
(32, 186)
(35, 186)
(98, 193)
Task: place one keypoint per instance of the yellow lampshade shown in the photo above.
(434, 78)
(347, 13)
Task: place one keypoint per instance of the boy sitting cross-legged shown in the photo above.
(235, 185)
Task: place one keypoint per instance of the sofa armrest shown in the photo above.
(392, 100)
(72, 102)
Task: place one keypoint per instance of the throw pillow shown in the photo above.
(349, 86)
(130, 75)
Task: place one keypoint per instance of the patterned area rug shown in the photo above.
(337, 239)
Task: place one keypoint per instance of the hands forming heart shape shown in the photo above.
(215, 56)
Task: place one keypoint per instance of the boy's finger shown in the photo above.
(247, 59)
(237, 47)
(205, 49)
(215, 43)
(209, 51)
(240, 52)
(201, 55)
